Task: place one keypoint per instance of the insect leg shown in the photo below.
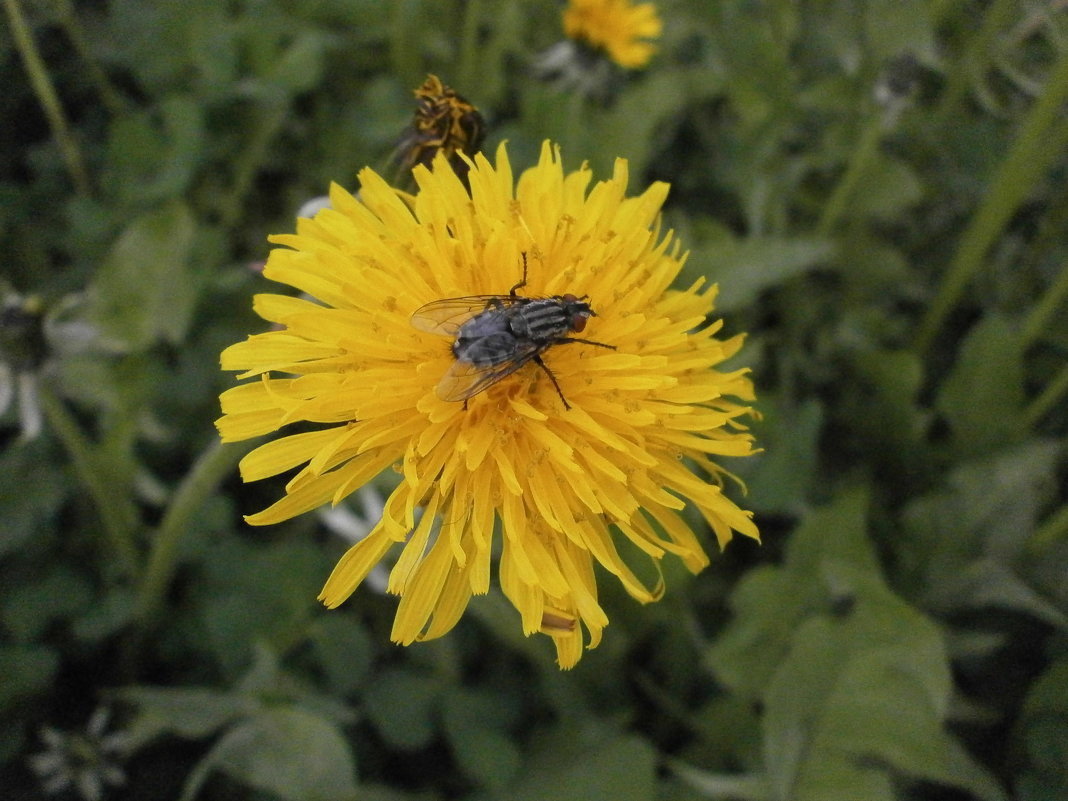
(522, 283)
(537, 360)
(565, 340)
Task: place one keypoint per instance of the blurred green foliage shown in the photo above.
(878, 187)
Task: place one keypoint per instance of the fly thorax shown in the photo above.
(540, 320)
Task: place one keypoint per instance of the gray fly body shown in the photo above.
(495, 335)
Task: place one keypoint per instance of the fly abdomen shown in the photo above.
(485, 351)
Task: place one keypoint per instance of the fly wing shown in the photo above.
(446, 316)
(466, 379)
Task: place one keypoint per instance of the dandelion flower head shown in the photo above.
(512, 476)
(619, 27)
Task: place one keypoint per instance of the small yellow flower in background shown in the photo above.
(510, 475)
(619, 27)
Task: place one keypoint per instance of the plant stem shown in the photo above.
(1032, 151)
(68, 18)
(1036, 321)
(117, 516)
(211, 467)
(469, 48)
(1049, 397)
(270, 120)
(718, 785)
(1055, 528)
(404, 55)
(977, 56)
(865, 151)
(49, 100)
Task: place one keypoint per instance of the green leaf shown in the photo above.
(895, 27)
(27, 669)
(982, 398)
(860, 699)
(153, 155)
(987, 583)
(259, 593)
(570, 766)
(144, 291)
(344, 650)
(780, 478)
(744, 268)
(27, 609)
(106, 615)
(963, 542)
(402, 705)
(770, 602)
(890, 187)
(475, 725)
(26, 506)
(1040, 733)
(299, 66)
(191, 712)
(287, 751)
(883, 409)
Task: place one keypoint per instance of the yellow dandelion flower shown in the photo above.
(564, 487)
(619, 27)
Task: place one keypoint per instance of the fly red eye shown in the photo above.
(578, 321)
(569, 298)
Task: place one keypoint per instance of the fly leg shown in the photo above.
(537, 360)
(565, 340)
(522, 283)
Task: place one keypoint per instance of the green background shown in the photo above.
(879, 188)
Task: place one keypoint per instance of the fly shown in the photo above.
(495, 335)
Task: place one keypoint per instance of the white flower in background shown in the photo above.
(33, 338)
(85, 761)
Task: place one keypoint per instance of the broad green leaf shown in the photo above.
(569, 767)
(895, 27)
(26, 609)
(982, 398)
(289, 752)
(27, 506)
(299, 66)
(106, 616)
(344, 651)
(476, 725)
(264, 593)
(192, 712)
(889, 188)
(883, 406)
(1040, 734)
(962, 543)
(153, 155)
(744, 268)
(1049, 694)
(403, 706)
(770, 602)
(1001, 496)
(144, 291)
(26, 669)
(989, 583)
(780, 477)
(629, 127)
(860, 699)
(722, 786)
